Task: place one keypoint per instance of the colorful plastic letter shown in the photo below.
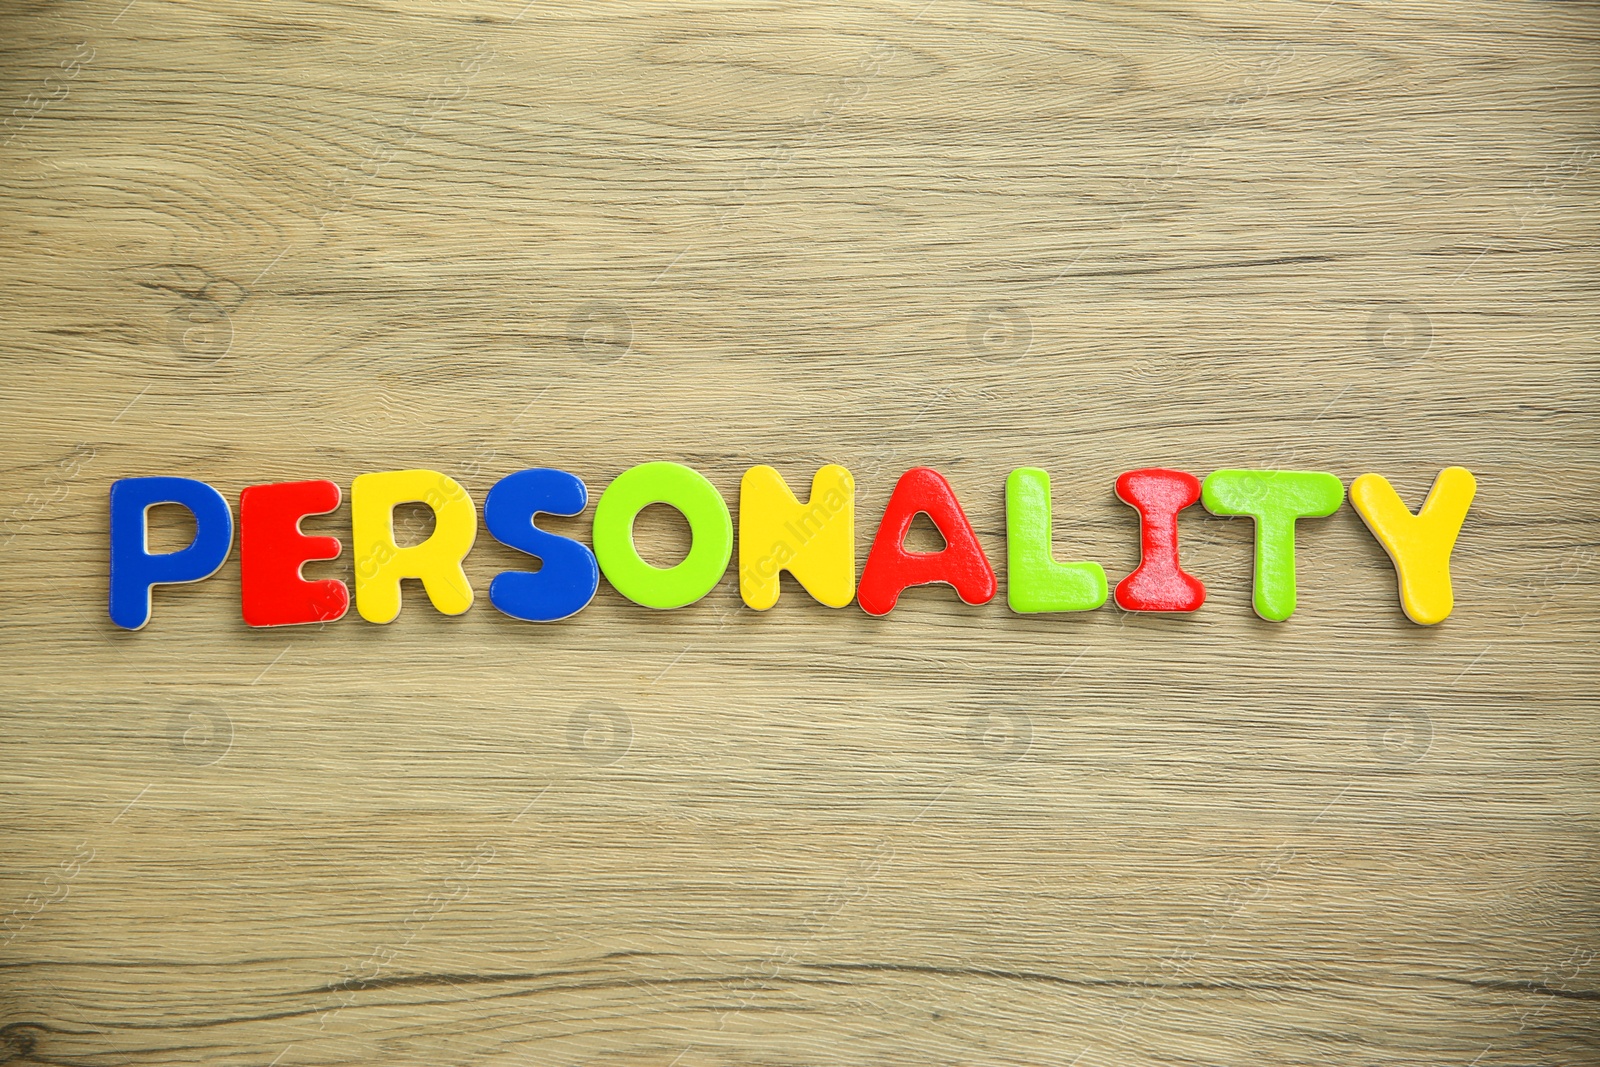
(134, 569)
(710, 528)
(1034, 580)
(380, 563)
(1419, 544)
(568, 577)
(1274, 499)
(272, 550)
(1159, 583)
(814, 541)
(891, 569)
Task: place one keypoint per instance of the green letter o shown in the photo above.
(710, 531)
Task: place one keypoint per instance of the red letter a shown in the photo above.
(890, 568)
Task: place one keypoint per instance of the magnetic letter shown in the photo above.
(814, 541)
(891, 569)
(568, 577)
(1034, 580)
(1419, 544)
(1274, 499)
(272, 550)
(1159, 583)
(380, 563)
(134, 569)
(710, 528)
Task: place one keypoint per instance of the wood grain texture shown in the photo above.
(251, 242)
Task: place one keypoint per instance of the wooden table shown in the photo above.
(249, 243)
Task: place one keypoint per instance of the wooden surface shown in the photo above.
(250, 242)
